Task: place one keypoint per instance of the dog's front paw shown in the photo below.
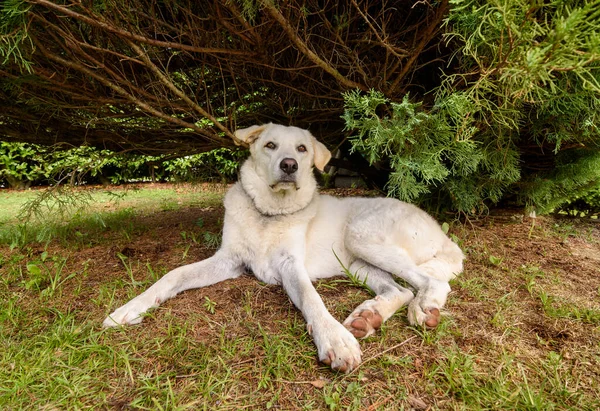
(128, 314)
(337, 347)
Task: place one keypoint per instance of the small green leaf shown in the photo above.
(33, 269)
(445, 228)
(495, 260)
(209, 305)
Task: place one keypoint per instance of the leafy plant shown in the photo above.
(515, 117)
(23, 165)
(209, 305)
(424, 149)
(20, 164)
(44, 279)
(212, 240)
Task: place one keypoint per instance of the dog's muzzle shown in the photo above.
(288, 166)
(287, 176)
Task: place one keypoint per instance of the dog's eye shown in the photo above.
(302, 149)
(270, 145)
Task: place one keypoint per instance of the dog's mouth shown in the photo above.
(284, 184)
(284, 181)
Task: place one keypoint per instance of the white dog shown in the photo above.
(278, 226)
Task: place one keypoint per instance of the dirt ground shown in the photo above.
(561, 255)
(530, 287)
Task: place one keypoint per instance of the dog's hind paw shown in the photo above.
(425, 308)
(428, 317)
(367, 318)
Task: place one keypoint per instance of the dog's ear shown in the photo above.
(322, 154)
(249, 135)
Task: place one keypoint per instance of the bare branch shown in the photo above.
(97, 22)
(145, 74)
(121, 91)
(292, 34)
(429, 33)
(167, 82)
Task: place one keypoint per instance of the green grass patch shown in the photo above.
(507, 383)
(75, 218)
(554, 308)
(515, 334)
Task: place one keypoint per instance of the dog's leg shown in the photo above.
(448, 262)
(336, 346)
(431, 295)
(390, 296)
(219, 267)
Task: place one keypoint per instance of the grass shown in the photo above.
(80, 221)
(521, 329)
(165, 197)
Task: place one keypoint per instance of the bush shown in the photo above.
(587, 204)
(515, 118)
(23, 165)
(220, 164)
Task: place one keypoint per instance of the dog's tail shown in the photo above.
(446, 264)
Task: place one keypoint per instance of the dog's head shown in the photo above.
(284, 156)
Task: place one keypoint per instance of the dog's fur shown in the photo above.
(279, 227)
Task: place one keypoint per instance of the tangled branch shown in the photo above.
(180, 76)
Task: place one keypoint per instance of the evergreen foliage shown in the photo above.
(463, 103)
(516, 115)
(13, 33)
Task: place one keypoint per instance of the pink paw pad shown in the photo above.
(365, 324)
(433, 318)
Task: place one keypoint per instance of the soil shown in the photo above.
(561, 256)
(511, 261)
(562, 253)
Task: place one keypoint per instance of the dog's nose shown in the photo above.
(288, 165)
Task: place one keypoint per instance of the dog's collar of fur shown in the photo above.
(271, 204)
(282, 212)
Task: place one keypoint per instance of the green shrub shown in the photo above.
(587, 204)
(220, 164)
(515, 118)
(22, 165)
